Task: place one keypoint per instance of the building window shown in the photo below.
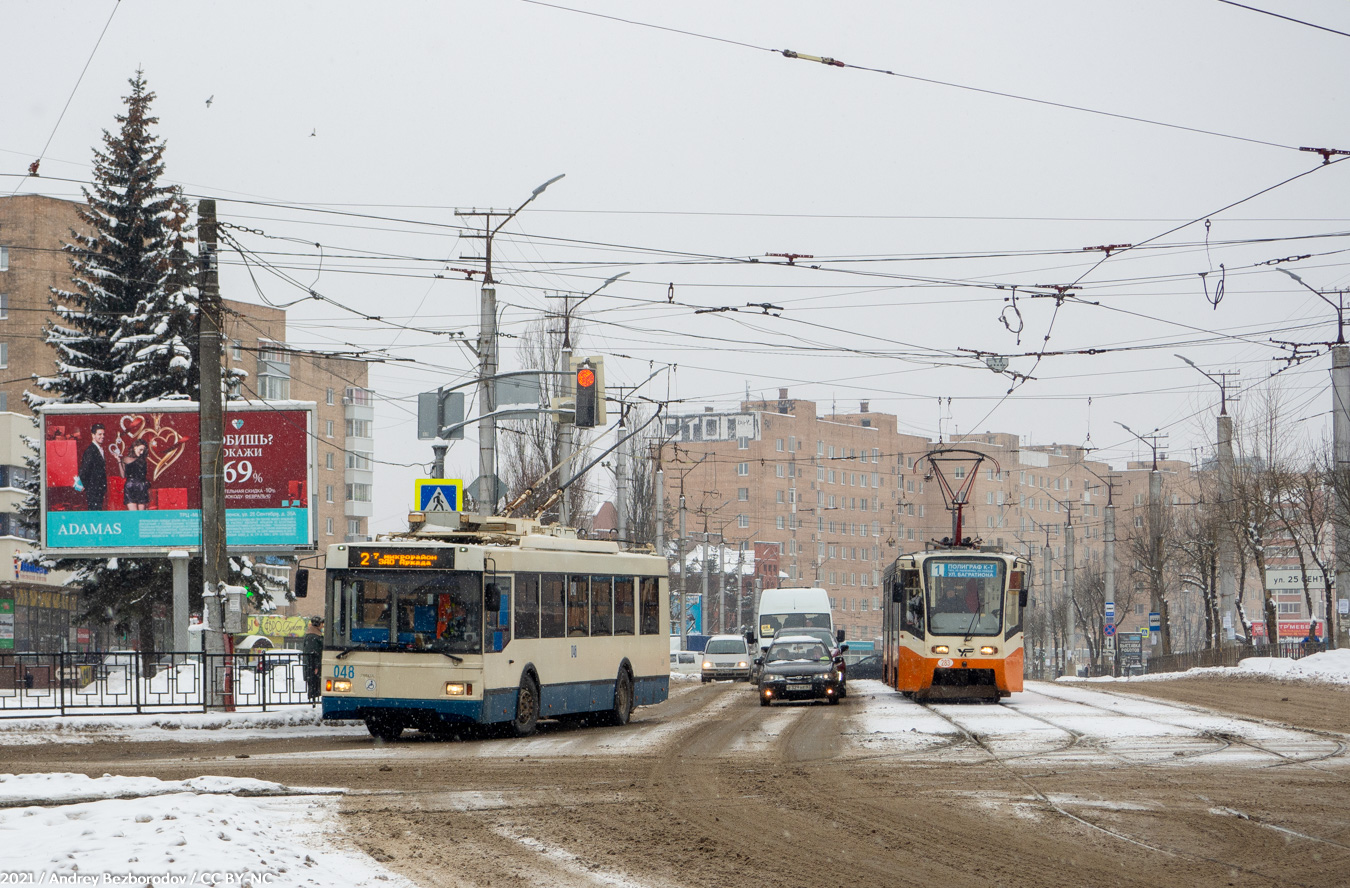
(742, 443)
(328, 528)
(780, 495)
(328, 493)
(779, 445)
(329, 398)
(354, 526)
(359, 428)
(779, 522)
(328, 457)
(4, 306)
(4, 258)
(743, 494)
(742, 521)
(358, 460)
(274, 373)
(236, 350)
(328, 429)
(742, 468)
(4, 402)
(358, 493)
(780, 470)
(4, 354)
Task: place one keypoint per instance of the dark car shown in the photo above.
(866, 667)
(798, 667)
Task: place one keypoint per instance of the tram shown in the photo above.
(952, 623)
(495, 621)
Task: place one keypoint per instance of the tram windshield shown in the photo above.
(417, 611)
(965, 596)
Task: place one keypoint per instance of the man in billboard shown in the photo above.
(94, 470)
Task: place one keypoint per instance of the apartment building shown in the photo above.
(33, 229)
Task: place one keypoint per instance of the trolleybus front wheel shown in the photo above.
(382, 728)
(623, 700)
(527, 707)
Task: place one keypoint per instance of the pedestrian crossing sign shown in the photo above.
(439, 494)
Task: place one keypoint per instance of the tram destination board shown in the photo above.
(439, 558)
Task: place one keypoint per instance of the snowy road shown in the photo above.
(1071, 784)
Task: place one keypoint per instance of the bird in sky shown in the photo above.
(314, 132)
(210, 100)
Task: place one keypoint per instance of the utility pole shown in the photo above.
(211, 427)
(684, 576)
(1340, 393)
(621, 476)
(1110, 571)
(487, 354)
(1074, 642)
(1157, 602)
(1049, 598)
(1226, 543)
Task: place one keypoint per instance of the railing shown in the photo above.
(125, 681)
(1231, 655)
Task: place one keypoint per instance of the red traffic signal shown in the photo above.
(587, 397)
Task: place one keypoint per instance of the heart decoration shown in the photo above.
(237, 423)
(165, 443)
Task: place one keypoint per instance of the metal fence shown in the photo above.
(112, 682)
(1230, 655)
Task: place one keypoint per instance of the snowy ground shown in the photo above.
(209, 831)
(237, 831)
(1329, 666)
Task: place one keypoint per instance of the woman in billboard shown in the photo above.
(134, 466)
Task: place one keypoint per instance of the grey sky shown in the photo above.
(686, 156)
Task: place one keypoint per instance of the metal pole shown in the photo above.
(1155, 541)
(659, 495)
(211, 427)
(1049, 600)
(178, 559)
(1227, 555)
(1110, 571)
(566, 429)
(1068, 591)
(1340, 393)
(684, 580)
(487, 369)
(621, 487)
(703, 569)
(438, 452)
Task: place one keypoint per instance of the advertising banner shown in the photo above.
(127, 477)
(6, 624)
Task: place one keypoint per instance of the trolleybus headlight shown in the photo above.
(989, 649)
(458, 689)
(339, 684)
(940, 649)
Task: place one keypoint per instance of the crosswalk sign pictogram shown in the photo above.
(439, 494)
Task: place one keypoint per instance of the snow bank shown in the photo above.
(177, 832)
(186, 727)
(1331, 667)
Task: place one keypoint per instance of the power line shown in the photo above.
(1285, 17)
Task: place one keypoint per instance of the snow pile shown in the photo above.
(18, 789)
(174, 832)
(186, 727)
(1331, 667)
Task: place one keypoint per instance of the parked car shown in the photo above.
(684, 662)
(726, 656)
(867, 667)
(799, 667)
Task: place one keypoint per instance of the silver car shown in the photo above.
(726, 656)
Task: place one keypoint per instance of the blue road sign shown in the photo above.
(1109, 629)
(1155, 621)
(439, 494)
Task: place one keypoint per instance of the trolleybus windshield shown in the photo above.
(965, 596)
(421, 611)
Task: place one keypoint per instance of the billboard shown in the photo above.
(124, 478)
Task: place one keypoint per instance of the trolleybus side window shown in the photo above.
(578, 606)
(649, 592)
(965, 597)
(553, 606)
(602, 613)
(624, 612)
(527, 605)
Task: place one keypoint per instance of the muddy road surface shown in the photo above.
(1062, 786)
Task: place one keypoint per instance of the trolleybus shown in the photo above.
(952, 626)
(499, 621)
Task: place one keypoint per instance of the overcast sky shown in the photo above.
(691, 148)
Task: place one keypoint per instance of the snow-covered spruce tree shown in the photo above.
(125, 332)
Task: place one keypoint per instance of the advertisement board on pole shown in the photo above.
(126, 478)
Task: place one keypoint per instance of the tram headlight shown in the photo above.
(940, 649)
(988, 650)
(339, 684)
(458, 689)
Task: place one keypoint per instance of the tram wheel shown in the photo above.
(527, 707)
(623, 700)
(382, 728)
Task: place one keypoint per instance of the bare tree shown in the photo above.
(529, 448)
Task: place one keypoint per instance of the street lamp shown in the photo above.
(1152, 445)
(1223, 389)
(1340, 309)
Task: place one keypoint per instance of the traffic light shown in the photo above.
(587, 396)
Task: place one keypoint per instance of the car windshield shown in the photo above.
(725, 646)
(823, 634)
(798, 650)
(965, 596)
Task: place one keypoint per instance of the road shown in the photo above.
(1061, 786)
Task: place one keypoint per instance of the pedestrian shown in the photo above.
(1311, 638)
(312, 647)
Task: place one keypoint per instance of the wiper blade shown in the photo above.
(457, 660)
(344, 652)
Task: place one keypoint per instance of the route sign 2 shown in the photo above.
(439, 494)
(1109, 629)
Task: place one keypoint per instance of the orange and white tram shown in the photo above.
(952, 627)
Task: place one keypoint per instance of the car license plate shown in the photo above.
(799, 684)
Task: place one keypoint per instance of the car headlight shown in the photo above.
(742, 665)
(988, 649)
(707, 665)
(826, 675)
(940, 649)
